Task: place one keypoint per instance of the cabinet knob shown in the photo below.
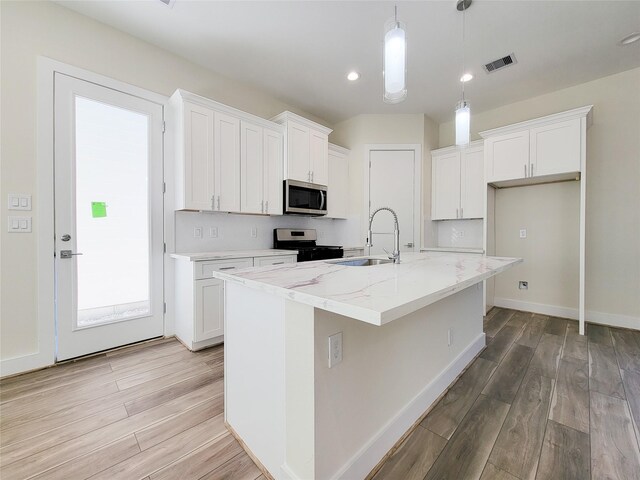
(266, 207)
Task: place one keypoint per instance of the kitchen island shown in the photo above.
(407, 331)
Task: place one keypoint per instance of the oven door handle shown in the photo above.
(322, 201)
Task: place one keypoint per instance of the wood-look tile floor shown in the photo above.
(150, 411)
(539, 402)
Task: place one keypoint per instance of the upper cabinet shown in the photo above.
(338, 186)
(226, 160)
(546, 149)
(306, 155)
(457, 182)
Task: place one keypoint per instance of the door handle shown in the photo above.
(67, 254)
(410, 244)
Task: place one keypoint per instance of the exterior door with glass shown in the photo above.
(108, 218)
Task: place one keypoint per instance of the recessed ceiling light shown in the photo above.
(466, 77)
(353, 76)
(634, 37)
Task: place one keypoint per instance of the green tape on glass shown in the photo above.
(98, 209)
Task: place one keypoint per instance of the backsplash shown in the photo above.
(234, 232)
(459, 233)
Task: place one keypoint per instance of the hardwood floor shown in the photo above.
(540, 402)
(153, 410)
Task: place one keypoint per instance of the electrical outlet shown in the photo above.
(213, 232)
(197, 232)
(335, 349)
(461, 233)
(254, 232)
(449, 337)
(523, 233)
(523, 285)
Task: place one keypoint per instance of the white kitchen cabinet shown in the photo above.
(195, 175)
(272, 171)
(542, 150)
(226, 160)
(338, 186)
(555, 148)
(261, 169)
(199, 298)
(457, 182)
(306, 149)
(280, 260)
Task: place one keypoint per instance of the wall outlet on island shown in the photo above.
(254, 232)
(213, 232)
(523, 233)
(335, 349)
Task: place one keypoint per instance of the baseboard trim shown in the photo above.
(24, 364)
(591, 316)
(368, 457)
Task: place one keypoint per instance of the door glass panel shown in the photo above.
(112, 213)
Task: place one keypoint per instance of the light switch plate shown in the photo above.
(523, 233)
(197, 232)
(19, 224)
(19, 201)
(213, 232)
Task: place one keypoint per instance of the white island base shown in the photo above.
(303, 420)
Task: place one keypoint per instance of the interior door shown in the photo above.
(108, 218)
(392, 184)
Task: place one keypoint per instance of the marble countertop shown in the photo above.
(374, 294)
(226, 254)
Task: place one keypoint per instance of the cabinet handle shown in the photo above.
(266, 207)
(277, 263)
(461, 212)
(218, 202)
(532, 165)
(262, 206)
(457, 213)
(309, 176)
(226, 268)
(525, 170)
(312, 176)
(213, 202)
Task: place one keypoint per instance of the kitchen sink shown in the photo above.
(362, 262)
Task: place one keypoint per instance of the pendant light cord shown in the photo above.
(463, 44)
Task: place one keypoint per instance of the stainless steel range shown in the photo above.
(304, 240)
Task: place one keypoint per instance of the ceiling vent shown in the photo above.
(500, 63)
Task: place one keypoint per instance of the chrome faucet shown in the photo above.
(395, 256)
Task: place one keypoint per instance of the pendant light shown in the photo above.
(395, 61)
(463, 110)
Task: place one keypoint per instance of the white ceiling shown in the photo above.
(301, 51)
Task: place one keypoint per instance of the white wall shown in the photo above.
(613, 202)
(30, 29)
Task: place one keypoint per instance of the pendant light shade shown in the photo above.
(395, 62)
(463, 123)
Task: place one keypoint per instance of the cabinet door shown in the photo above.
(199, 172)
(507, 156)
(319, 154)
(281, 260)
(227, 162)
(209, 321)
(251, 168)
(472, 186)
(445, 199)
(272, 176)
(298, 161)
(555, 148)
(338, 187)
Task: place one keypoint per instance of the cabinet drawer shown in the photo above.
(205, 269)
(264, 261)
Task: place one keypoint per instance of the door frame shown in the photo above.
(417, 193)
(44, 226)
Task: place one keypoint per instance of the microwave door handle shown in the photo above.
(322, 200)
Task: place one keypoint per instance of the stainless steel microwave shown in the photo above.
(304, 198)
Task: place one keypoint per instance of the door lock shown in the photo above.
(67, 253)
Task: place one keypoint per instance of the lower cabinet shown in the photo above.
(199, 298)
